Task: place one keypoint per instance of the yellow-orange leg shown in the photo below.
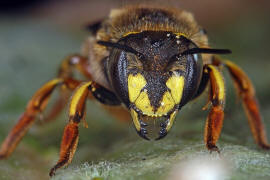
(71, 133)
(74, 62)
(215, 117)
(68, 65)
(247, 94)
(34, 107)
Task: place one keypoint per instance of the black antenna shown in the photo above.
(206, 51)
(118, 46)
(189, 51)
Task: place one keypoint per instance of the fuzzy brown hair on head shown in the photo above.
(148, 18)
(136, 19)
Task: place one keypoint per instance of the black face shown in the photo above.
(153, 79)
(157, 54)
(155, 73)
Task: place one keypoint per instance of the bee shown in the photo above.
(150, 62)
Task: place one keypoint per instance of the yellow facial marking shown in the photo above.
(143, 103)
(167, 103)
(135, 119)
(135, 85)
(141, 100)
(220, 82)
(176, 85)
(178, 34)
(47, 87)
(75, 100)
(170, 123)
(128, 33)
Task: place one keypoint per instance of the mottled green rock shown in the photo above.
(109, 149)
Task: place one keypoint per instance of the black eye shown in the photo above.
(198, 60)
(117, 73)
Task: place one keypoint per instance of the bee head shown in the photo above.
(154, 73)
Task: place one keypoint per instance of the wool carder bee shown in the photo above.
(150, 61)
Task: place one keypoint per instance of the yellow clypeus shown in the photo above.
(176, 85)
(135, 85)
(143, 103)
(166, 104)
(140, 98)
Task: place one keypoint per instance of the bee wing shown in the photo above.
(93, 27)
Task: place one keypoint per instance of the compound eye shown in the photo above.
(117, 74)
(198, 61)
(197, 57)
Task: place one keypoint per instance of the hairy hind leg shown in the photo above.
(35, 106)
(247, 94)
(39, 101)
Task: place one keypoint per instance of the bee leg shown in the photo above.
(35, 106)
(71, 133)
(104, 96)
(76, 114)
(80, 63)
(68, 65)
(215, 117)
(247, 94)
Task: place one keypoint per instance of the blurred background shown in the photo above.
(35, 35)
